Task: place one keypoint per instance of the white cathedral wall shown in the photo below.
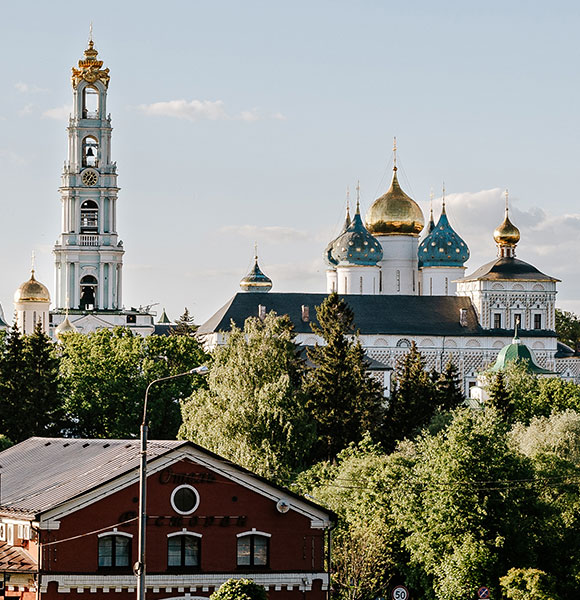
(357, 280)
(504, 300)
(30, 313)
(440, 281)
(331, 282)
(399, 267)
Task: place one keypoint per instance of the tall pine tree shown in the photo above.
(343, 399)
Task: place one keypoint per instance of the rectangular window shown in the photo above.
(361, 285)
(537, 321)
(2, 532)
(398, 281)
(497, 320)
(183, 551)
(253, 551)
(114, 551)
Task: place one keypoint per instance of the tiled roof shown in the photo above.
(14, 558)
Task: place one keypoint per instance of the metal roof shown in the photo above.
(508, 269)
(16, 559)
(41, 473)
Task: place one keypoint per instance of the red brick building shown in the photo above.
(68, 524)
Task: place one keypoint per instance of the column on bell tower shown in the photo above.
(88, 253)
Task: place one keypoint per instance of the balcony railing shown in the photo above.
(88, 240)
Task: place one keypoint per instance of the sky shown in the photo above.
(240, 122)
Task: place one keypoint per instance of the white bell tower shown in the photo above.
(88, 253)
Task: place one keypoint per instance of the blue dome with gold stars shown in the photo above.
(443, 247)
(356, 246)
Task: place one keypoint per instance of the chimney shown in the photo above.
(261, 311)
(463, 317)
(305, 313)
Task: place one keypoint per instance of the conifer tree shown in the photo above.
(184, 325)
(448, 388)
(413, 400)
(343, 399)
(499, 395)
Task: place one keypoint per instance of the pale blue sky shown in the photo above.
(236, 121)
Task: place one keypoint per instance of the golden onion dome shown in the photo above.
(507, 234)
(32, 291)
(65, 327)
(395, 213)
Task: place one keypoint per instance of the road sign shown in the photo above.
(400, 592)
(483, 592)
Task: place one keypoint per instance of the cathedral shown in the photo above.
(406, 283)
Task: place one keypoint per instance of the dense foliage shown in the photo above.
(239, 589)
(568, 328)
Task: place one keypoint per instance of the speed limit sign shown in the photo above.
(400, 592)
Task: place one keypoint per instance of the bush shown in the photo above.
(239, 589)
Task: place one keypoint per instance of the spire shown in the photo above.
(516, 337)
(395, 154)
(443, 202)
(347, 223)
(358, 197)
(32, 264)
(256, 252)
(256, 280)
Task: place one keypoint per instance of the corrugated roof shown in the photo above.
(41, 473)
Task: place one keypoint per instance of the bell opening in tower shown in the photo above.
(88, 292)
(89, 217)
(90, 103)
(90, 152)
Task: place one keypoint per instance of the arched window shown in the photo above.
(115, 550)
(183, 549)
(253, 549)
(89, 217)
(88, 292)
(90, 103)
(90, 152)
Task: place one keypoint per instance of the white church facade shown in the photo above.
(404, 288)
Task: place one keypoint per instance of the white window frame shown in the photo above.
(179, 487)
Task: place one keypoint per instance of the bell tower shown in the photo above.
(88, 253)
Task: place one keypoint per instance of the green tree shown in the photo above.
(465, 522)
(240, 589)
(499, 395)
(359, 486)
(254, 410)
(342, 398)
(5, 442)
(185, 325)
(568, 328)
(528, 584)
(105, 374)
(415, 398)
(448, 388)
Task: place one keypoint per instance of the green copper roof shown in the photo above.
(518, 351)
(163, 319)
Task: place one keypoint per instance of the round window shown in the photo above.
(184, 499)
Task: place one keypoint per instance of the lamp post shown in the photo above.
(139, 566)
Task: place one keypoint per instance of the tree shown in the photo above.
(239, 589)
(414, 398)
(105, 374)
(568, 328)
(448, 388)
(499, 395)
(185, 325)
(366, 545)
(342, 398)
(467, 513)
(254, 411)
(528, 584)
(13, 389)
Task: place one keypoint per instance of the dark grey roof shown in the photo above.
(41, 473)
(508, 268)
(564, 351)
(373, 314)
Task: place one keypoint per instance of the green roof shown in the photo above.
(520, 352)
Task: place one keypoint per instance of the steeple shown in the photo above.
(88, 253)
(507, 235)
(256, 280)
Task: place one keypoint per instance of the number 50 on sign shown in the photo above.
(400, 593)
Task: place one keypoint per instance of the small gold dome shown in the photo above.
(507, 234)
(32, 291)
(65, 327)
(395, 213)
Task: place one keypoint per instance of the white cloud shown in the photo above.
(60, 113)
(25, 88)
(273, 233)
(26, 109)
(198, 110)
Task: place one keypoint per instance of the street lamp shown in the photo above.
(139, 566)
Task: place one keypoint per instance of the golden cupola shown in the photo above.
(395, 213)
(506, 235)
(32, 291)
